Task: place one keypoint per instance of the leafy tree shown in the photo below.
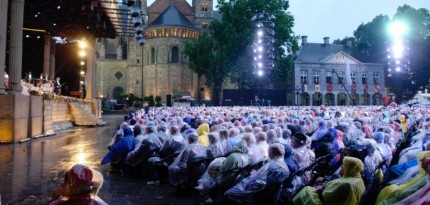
(372, 39)
(223, 51)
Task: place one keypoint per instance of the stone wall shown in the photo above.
(14, 112)
(57, 116)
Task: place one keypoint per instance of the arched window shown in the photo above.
(152, 55)
(175, 54)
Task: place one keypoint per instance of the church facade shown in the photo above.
(160, 67)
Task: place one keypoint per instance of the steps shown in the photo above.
(82, 114)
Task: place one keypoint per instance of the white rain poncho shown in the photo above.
(301, 155)
(178, 169)
(212, 175)
(261, 184)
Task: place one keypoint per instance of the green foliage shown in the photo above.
(223, 51)
(137, 105)
(151, 101)
(158, 101)
(124, 95)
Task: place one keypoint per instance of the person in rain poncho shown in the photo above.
(203, 131)
(422, 196)
(346, 190)
(215, 148)
(119, 134)
(300, 151)
(81, 185)
(395, 193)
(322, 129)
(178, 171)
(264, 183)
(119, 151)
(234, 162)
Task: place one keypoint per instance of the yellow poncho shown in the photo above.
(394, 193)
(203, 131)
(346, 190)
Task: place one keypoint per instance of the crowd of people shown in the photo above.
(280, 155)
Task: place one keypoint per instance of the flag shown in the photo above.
(365, 89)
(330, 87)
(377, 89)
(348, 73)
(304, 88)
(353, 88)
(317, 88)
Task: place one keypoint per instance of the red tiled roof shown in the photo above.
(159, 6)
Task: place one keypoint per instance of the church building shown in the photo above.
(159, 67)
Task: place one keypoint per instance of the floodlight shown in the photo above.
(260, 73)
(397, 29)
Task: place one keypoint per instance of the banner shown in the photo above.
(330, 87)
(365, 89)
(377, 89)
(304, 88)
(317, 88)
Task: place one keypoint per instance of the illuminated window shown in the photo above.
(204, 7)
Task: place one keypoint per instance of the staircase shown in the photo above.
(82, 114)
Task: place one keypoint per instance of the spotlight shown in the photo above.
(260, 33)
(260, 73)
(398, 69)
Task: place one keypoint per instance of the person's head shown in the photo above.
(233, 132)
(150, 128)
(298, 140)
(261, 136)
(223, 134)
(271, 136)
(276, 151)
(78, 180)
(213, 137)
(133, 122)
(57, 78)
(174, 129)
(192, 138)
(161, 128)
(137, 130)
(286, 133)
(352, 166)
(249, 139)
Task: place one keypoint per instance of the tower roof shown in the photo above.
(171, 17)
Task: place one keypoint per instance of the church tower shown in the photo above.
(204, 13)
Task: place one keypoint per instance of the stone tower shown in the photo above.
(160, 67)
(204, 12)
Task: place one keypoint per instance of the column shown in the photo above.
(335, 100)
(52, 61)
(3, 37)
(90, 73)
(15, 56)
(46, 54)
(119, 52)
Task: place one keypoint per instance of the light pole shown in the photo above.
(82, 54)
(398, 49)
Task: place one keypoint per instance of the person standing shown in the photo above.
(57, 86)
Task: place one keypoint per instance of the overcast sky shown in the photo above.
(338, 18)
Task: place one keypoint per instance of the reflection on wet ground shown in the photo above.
(31, 170)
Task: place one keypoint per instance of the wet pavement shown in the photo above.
(31, 170)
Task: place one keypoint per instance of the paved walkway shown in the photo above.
(31, 170)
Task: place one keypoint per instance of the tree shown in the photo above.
(371, 41)
(222, 52)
